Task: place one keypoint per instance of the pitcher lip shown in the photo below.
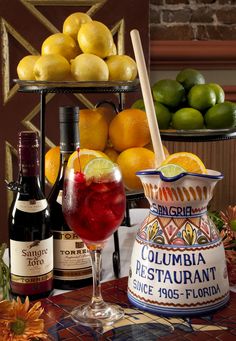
(212, 174)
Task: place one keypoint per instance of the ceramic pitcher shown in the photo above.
(178, 263)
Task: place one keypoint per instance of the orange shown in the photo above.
(189, 161)
(108, 112)
(111, 153)
(85, 155)
(129, 129)
(150, 146)
(132, 160)
(93, 129)
(52, 164)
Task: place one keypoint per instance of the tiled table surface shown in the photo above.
(137, 325)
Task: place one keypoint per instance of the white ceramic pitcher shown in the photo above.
(178, 263)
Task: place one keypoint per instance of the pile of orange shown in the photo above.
(124, 138)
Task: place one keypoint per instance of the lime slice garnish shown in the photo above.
(98, 168)
(171, 170)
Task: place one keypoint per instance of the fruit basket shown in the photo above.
(43, 88)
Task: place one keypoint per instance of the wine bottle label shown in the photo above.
(71, 257)
(31, 266)
(29, 259)
(59, 197)
(31, 206)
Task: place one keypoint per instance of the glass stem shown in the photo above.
(97, 299)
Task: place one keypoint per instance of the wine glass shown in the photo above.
(93, 205)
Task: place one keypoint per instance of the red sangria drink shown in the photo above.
(94, 205)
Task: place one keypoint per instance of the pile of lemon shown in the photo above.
(123, 138)
(83, 51)
(188, 102)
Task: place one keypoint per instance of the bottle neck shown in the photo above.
(64, 157)
(29, 161)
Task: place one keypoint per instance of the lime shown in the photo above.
(168, 92)
(98, 168)
(190, 77)
(220, 94)
(171, 170)
(163, 115)
(139, 104)
(201, 97)
(221, 116)
(187, 118)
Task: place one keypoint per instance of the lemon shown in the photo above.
(51, 68)
(132, 160)
(189, 161)
(62, 44)
(168, 92)
(121, 68)
(219, 92)
(201, 97)
(190, 77)
(220, 116)
(78, 161)
(99, 168)
(73, 23)
(171, 170)
(93, 129)
(89, 67)
(187, 118)
(94, 37)
(25, 67)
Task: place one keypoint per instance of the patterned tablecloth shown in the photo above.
(137, 325)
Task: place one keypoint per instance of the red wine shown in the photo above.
(72, 264)
(31, 241)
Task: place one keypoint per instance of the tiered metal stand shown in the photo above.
(43, 88)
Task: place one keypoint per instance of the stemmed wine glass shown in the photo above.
(93, 205)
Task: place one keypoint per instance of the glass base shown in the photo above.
(97, 315)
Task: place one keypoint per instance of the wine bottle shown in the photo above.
(31, 241)
(72, 264)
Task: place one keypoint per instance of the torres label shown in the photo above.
(71, 257)
(31, 264)
(31, 206)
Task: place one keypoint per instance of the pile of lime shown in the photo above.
(188, 102)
